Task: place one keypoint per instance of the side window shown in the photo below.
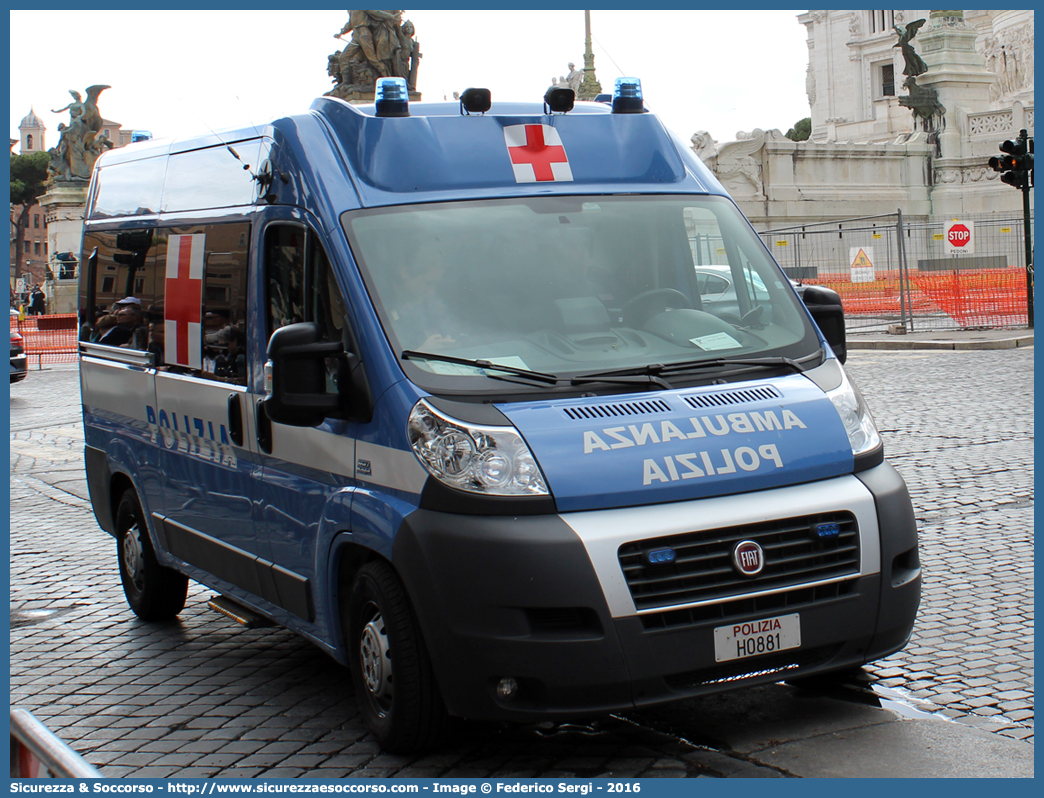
(705, 238)
(753, 282)
(300, 283)
(179, 293)
(301, 286)
(327, 306)
(120, 288)
(284, 275)
(732, 272)
(224, 303)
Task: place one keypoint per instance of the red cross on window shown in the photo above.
(538, 154)
(183, 303)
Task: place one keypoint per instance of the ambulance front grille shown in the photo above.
(702, 571)
(795, 600)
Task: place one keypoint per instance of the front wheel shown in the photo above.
(392, 674)
(154, 593)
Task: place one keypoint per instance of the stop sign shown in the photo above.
(960, 237)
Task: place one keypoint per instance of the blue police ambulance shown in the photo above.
(445, 389)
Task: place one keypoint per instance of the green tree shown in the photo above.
(28, 175)
(801, 131)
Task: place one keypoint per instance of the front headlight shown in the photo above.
(494, 461)
(855, 415)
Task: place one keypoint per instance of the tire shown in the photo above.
(154, 593)
(392, 674)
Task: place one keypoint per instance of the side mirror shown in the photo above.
(825, 306)
(299, 396)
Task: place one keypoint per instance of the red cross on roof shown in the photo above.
(537, 153)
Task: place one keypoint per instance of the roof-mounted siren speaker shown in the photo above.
(392, 97)
(627, 96)
(559, 100)
(475, 101)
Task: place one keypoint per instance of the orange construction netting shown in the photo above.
(49, 339)
(970, 298)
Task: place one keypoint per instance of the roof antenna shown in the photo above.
(266, 173)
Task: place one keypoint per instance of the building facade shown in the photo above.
(855, 70)
(867, 153)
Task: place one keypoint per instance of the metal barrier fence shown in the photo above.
(888, 270)
(37, 753)
(49, 339)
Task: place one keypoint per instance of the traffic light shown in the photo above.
(1016, 164)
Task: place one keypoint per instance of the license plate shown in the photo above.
(753, 638)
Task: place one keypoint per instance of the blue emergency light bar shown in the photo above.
(627, 96)
(392, 97)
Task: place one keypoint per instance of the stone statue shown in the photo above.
(409, 55)
(75, 108)
(914, 63)
(382, 45)
(574, 78)
(738, 164)
(81, 141)
(923, 101)
(375, 37)
(705, 147)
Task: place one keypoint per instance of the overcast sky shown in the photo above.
(184, 72)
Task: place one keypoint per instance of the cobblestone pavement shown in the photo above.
(959, 427)
(203, 697)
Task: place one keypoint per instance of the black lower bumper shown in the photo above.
(19, 367)
(518, 597)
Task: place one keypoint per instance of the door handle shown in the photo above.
(235, 419)
(264, 427)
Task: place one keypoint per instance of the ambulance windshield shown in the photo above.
(568, 285)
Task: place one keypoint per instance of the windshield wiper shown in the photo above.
(659, 369)
(536, 376)
(653, 373)
(759, 362)
(643, 374)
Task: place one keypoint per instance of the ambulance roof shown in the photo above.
(439, 153)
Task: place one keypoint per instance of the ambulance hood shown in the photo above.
(604, 452)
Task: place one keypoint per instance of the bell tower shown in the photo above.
(32, 130)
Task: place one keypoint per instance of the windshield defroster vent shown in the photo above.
(739, 397)
(618, 409)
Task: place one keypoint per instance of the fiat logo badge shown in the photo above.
(748, 558)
